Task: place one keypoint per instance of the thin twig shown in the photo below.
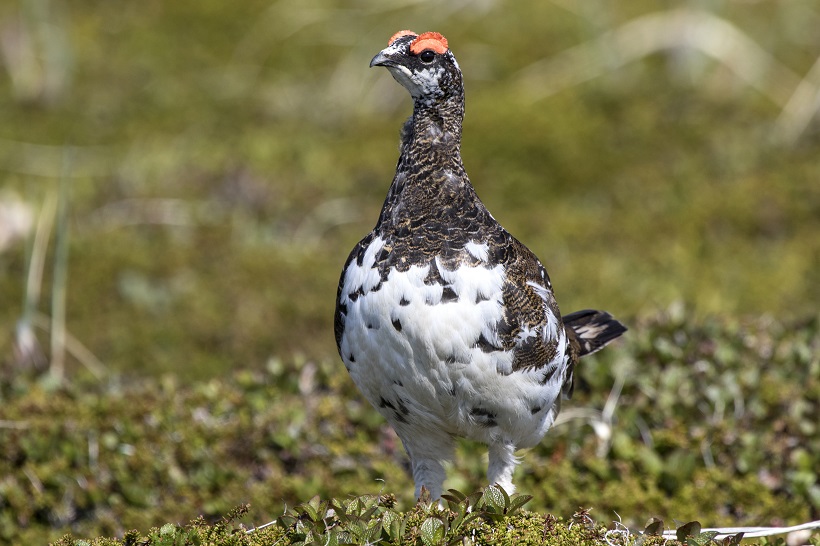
(753, 532)
(75, 348)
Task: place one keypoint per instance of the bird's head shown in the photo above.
(423, 64)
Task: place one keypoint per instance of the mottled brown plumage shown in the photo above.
(446, 322)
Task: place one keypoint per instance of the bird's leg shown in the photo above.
(428, 473)
(502, 464)
(427, 453)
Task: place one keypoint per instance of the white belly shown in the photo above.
(412, 350)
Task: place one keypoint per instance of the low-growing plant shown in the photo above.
(742, 453)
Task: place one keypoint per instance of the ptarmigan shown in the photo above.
(446, 322)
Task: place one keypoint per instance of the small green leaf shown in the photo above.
(358, 528)
(458, 520)
(518, 502)
(470, 517)
(474, 499)
(691, 529)
(331, 539)
(454, 499)
(360, 507)
(733, 540)
(339, 510)
(373, 531)
(432, 531)
(403, 527)
(315, 503)
(495, 497)
(654, 527)
(390, 525)
(309, 511)
(455, 493)
(301, 527)
(286, 520)
(388, 516)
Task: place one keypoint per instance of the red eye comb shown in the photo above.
(399, 34)
(429, 40)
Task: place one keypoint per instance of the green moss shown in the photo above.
(373, 520)
(713, 445)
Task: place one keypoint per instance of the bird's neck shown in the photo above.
(430, 175)
(433, 130)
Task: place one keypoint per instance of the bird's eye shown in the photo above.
(427, 56)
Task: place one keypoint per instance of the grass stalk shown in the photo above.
(28, 350)
(60, 282)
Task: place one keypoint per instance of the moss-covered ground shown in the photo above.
(715, 423)
(180, 183)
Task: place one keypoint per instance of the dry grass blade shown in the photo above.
(802, 107)
(668, 30)
(27, 348)
(75, 348)
(60, 281)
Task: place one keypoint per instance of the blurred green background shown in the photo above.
(224, 159)
(199, 170)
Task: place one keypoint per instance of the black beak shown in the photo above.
(381, 60)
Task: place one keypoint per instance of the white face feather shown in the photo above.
(423, 85)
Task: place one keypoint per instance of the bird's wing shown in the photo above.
(531, 325)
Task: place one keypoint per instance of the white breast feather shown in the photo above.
(432, 363)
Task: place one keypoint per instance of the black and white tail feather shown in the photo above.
(593, 329)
